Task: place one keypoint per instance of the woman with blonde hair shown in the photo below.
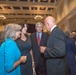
(10, 56)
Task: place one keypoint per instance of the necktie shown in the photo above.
(38, 39)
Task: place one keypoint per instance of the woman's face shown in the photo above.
(24, 30)
(18, 34)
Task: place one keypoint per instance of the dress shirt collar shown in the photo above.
(53, 28)
(39, 34)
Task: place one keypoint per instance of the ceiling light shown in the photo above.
(38, 17)
(33, 0)
(2, 17)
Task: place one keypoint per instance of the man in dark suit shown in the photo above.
(55, 50)
(71, 51)
(38, 39)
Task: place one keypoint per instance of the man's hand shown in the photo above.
(42, 49)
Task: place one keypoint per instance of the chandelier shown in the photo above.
(38, 17)
(2, 17)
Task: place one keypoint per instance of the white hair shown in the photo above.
(38, 23)
(10, 30)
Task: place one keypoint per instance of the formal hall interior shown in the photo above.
(31, 14)
(32, 11)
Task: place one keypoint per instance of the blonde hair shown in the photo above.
(38, 23)
(10, 30)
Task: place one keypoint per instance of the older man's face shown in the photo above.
(39, 28)
(47, 25)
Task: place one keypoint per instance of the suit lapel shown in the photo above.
(51, 33)
(41, 37)
(35, 38)
(53, 30)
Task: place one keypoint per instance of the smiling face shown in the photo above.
(24, 29)
(39, 27)
(17, 34)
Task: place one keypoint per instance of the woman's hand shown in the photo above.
(23, 59)
(33, 64)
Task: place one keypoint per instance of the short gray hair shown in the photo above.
(10, 30)
(38, 23)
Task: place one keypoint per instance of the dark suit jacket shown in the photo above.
(35, 48)
(55, 53)
(71, 50)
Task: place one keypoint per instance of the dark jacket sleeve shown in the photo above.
(58, 48)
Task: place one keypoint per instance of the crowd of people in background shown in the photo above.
(48, 54)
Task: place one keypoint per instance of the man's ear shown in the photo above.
(48, 24)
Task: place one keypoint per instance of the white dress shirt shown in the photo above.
(53, 28)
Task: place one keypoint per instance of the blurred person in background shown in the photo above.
(1, 37)
(71, 51)
(73, 33)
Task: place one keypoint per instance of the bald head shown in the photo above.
(50, 19)
(49, 22)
